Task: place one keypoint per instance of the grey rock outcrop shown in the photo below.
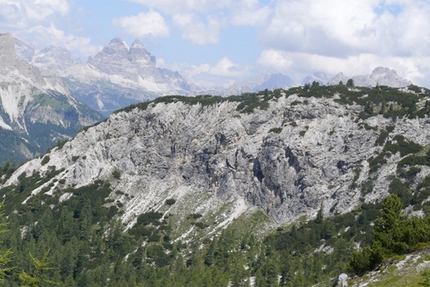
(342, 280)
(7, 57)
(289, 160)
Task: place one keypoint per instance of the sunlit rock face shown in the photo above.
(292, 159)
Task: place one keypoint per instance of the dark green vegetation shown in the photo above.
(247, 102)
(86, 246)
(83, 244)
(393, 234)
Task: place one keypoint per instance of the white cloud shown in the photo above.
(343, 28)
(144, 24)
(11, 16)
(197, 31)
(221, 74)
(173, 7)
(225, 68)
(275, 59)
(198, 69)
(249, 12)
(53, 36)
(30, 11)
(33, 20)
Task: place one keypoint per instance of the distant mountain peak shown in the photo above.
(118, 76)
(115, 46)
(137, 45)
(381, 76)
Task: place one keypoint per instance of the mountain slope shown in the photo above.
(229, 187)
(35, 111)
(291, 158)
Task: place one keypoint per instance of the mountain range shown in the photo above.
(119, 75)
(114, 78)
(36, 111)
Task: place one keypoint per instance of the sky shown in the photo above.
(218, 42)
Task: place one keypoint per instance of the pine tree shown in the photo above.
(37, 277)
(5, 254)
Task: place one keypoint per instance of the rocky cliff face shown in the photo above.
(296, 154)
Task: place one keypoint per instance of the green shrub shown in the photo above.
(45, 159)
(116, 174)
(275, 130)
(194, 216)
(170, 201)
(149, 218)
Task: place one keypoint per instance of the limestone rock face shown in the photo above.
(7, 57)
(290, 160)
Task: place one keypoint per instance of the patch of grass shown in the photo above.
(275, 130)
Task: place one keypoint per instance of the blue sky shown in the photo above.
(217, 42)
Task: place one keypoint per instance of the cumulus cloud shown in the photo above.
(225, 68)
(220, 74)
(80, 45)
(31, 11)
(343, 28)
(173, 7)
(294, 37)
(200, 21)
(197, 31)
(143, 24)
(275, 59)
(35, 21)
(249, 12)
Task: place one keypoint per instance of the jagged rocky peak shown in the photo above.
(111, 58)
(140, 55)
(7, 48)
(117, 58)
(273, 81)
(116, 46)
